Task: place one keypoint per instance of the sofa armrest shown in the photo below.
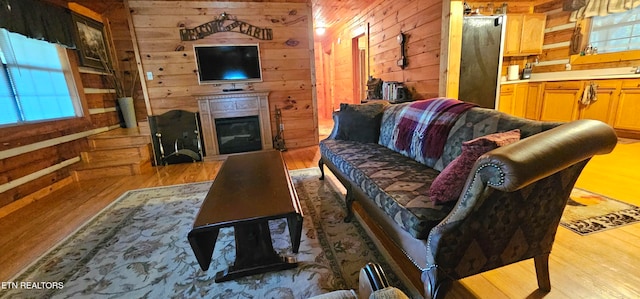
(515, 190)
(514, 166)
(336, 122)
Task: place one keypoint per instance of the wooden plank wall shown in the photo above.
(558, 31)
(117, 23)
(36, 158)
(286, 60)
(556, 42)
(420, 20)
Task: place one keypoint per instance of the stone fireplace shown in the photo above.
(235, 122)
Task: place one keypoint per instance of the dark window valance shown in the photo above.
(38, 20)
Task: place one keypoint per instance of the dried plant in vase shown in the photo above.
(123, 81)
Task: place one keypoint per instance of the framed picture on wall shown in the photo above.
(90, 42)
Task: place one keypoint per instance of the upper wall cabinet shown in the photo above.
(524, 34)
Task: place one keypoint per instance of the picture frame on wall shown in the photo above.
(90, 42)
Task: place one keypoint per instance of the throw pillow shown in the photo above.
(360, 122)
(448, 185)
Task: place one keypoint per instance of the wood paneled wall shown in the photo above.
(286, 60)
(555, 53)
(116, 20)
(559, 30)
(36, 159)
(420, 20)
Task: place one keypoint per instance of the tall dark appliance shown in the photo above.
(481, 59)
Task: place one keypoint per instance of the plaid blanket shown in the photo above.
(424, 126)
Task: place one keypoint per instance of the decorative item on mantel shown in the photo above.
(124, 83)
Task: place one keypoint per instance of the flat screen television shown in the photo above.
(228, 63)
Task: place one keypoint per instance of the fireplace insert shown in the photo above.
(238, 134)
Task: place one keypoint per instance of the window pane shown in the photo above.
(8, 110)
(34, 53)
(616, 32)
(23, 81)
(36, 86)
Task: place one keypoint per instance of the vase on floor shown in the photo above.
(128, 112)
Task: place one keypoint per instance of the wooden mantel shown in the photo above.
(233, 104)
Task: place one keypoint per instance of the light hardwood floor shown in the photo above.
(602, 265)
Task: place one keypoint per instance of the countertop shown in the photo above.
(596, 74)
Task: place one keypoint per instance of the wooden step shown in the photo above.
(119, 152)
(141, 152)
(119, 138)
(122, 167)
(118, 141)
(143, 128)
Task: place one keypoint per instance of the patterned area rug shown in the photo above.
(588, 213)
(138, 248)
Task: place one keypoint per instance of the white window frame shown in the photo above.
(10, 63)
(611, 24)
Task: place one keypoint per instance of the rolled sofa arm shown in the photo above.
(336, 122)
(508, 169)
(514, 166)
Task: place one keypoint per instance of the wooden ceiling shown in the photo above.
(326, 13)
(331, 13)
(99, 6)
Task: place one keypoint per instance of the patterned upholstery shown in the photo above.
(508, 226)
(397, 184)
(472, 124)
(511, 204)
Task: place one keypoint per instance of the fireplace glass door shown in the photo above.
(238, 134)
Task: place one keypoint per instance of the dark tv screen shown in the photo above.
(228, 63)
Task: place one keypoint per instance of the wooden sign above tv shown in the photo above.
(225, 23)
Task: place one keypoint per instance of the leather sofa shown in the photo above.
(511, 201)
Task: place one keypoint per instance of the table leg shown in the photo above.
(202, 243)
(254, 253)
(294, 222)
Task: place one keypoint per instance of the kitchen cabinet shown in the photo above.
(604, 108)
(628, 108)
(618, 102)
(559, 101)
(524, 34)
(513, 99)
(505, 103)
(532, 106)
